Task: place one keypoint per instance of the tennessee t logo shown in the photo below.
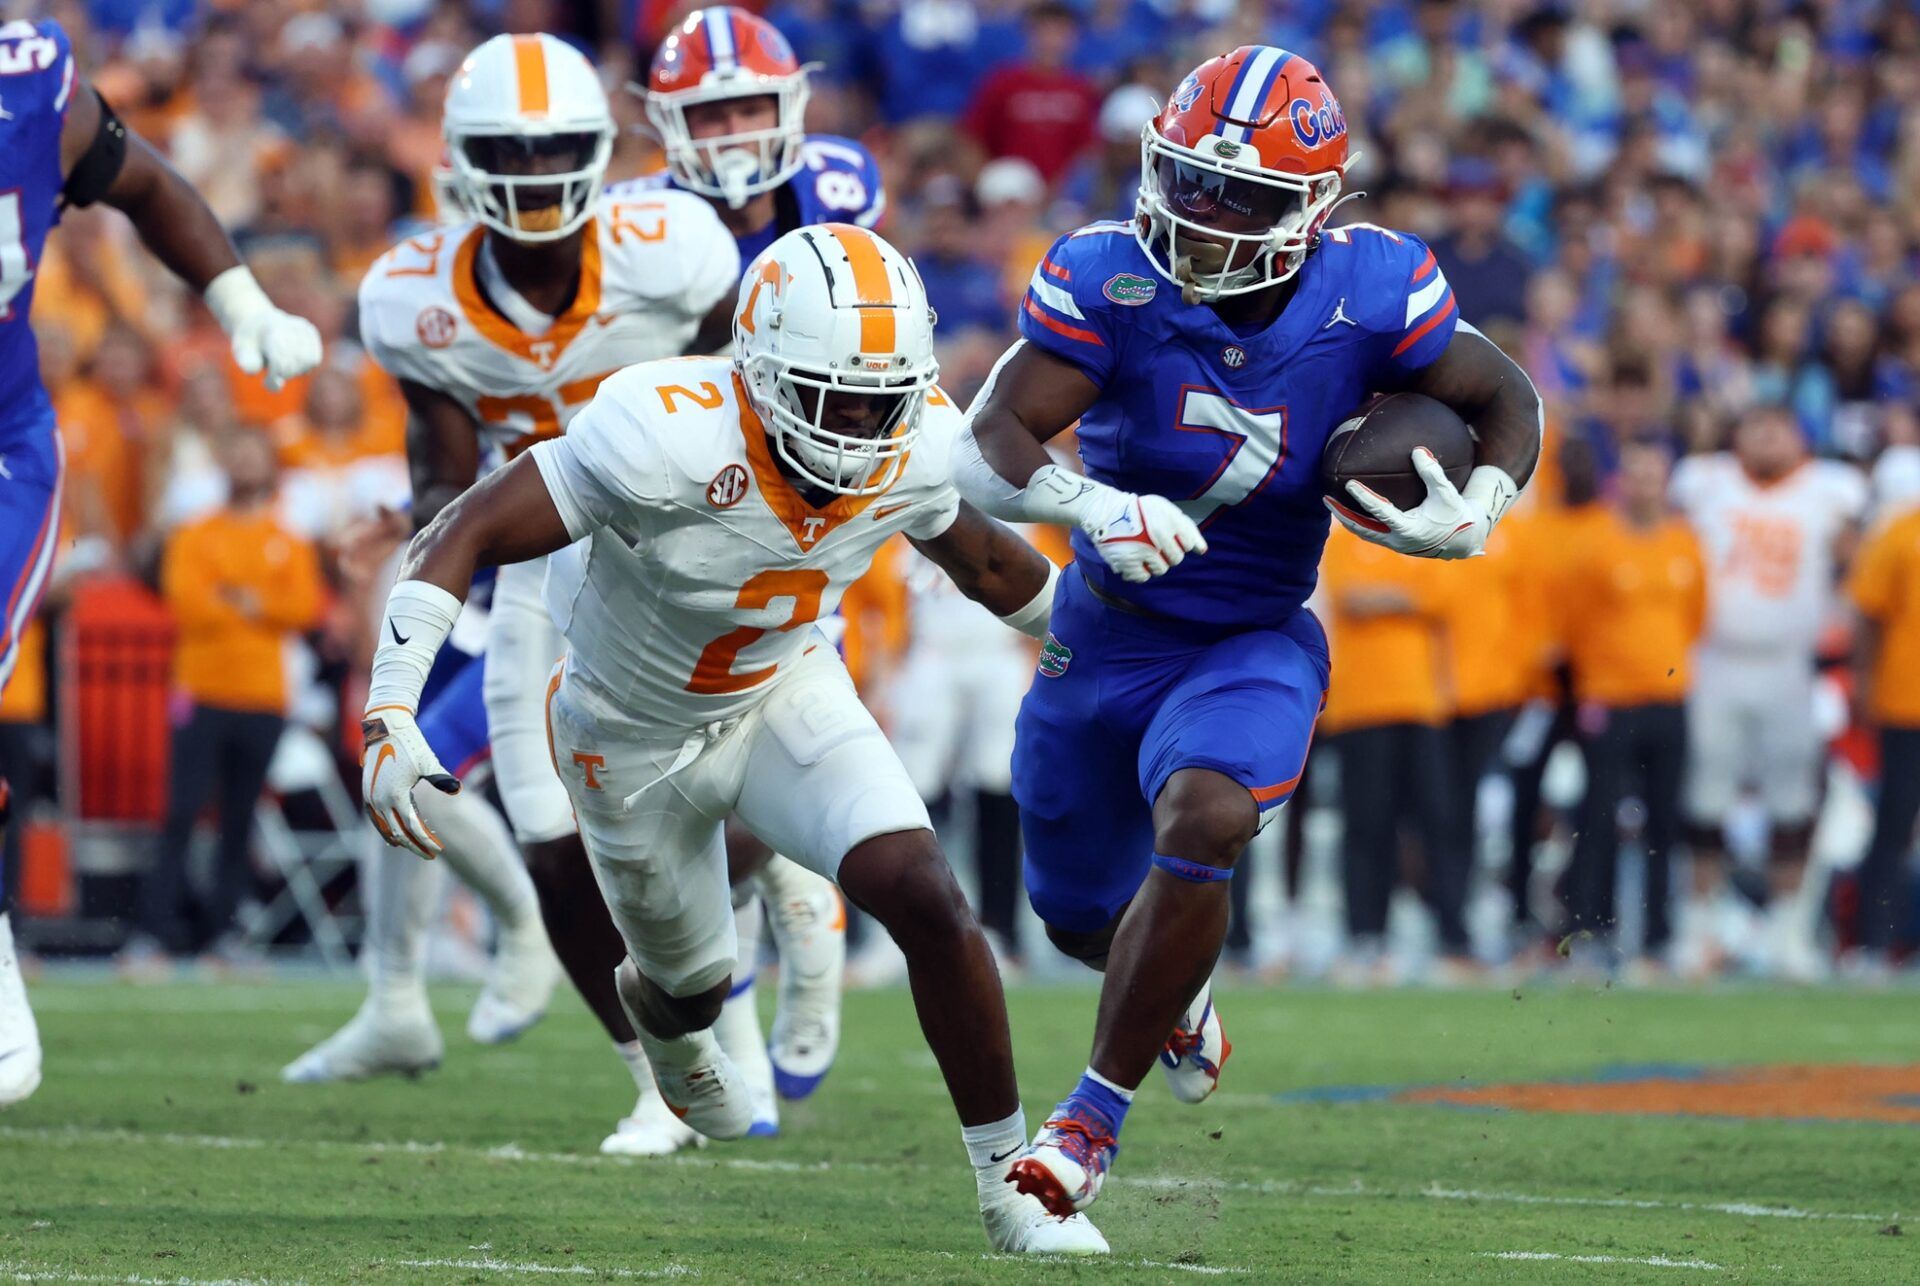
(813, 524)
(592, 764)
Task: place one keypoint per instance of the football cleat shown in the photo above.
(651, 1131)
(1067, 1161)
(19, 1037)
(382, 1038)
(738, 1031)
(810, 930)
(700, 1084)
(519, 985)
(1196, 1051)
(1018, 1224)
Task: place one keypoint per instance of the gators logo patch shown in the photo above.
(1055, 656)
(1127, 288)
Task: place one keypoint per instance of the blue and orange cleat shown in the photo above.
(1064, 1166)
(1196, 1051)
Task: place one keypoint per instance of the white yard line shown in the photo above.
(492, 1265)
(1650, 1261)
(70, 1135)
(21, 1273)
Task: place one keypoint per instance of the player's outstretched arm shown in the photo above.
(104, 160)
(1000, 465)
(508, 517)
(995, 568)
(1489, 391)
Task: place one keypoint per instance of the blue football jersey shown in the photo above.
(838, 182)
(36, 80)
(1231, 425)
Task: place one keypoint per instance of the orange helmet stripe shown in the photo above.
(530, 71)
(870, 285)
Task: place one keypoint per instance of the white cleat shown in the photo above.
(738, 1031)
(651, 1131)
(1019, 1225)
(383, 1038)
(19, 1037)
(809, 928)
(700, 1084)
(519, 986)
(1196, 1051)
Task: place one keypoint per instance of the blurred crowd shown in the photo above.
(1678, 217)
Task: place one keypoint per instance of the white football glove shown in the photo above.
(1449, 523)
(1140, 537)
(264, 337)
(396, 757)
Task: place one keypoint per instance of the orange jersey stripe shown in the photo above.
(870, 284)
(530, 70)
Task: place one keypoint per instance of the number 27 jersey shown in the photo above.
(1231, 423)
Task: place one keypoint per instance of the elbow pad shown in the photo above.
(100, 165)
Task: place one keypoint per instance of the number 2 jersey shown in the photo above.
(838, 182)
(704, 567)
(1230, 422)
(652, 267)
(37, 77)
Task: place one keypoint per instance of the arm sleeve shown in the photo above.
(606, 466)
(1415, 319)
(1065, 313)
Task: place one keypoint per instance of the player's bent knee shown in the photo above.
(1089, 948)
(903, 881)
(1204, 816)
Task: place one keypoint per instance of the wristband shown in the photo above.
(416, 622)
(1490, 487)
(234, 296)
(1032, 619)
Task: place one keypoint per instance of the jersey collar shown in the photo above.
(809, 526)
(541, 350)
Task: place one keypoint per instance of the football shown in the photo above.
(1376, 444)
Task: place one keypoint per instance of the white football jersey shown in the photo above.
(1769, 547)
(652, 269)
(705, 568)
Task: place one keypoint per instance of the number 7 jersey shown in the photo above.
(1230, 423)
(652, 268)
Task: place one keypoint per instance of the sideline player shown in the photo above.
(61, 145)
(726, 504)
(499, 330)
(1775, 526)
(1207, 350)
(728, 100)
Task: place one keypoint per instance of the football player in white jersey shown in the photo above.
(500, 329)
(725, 505)
(1775, 526)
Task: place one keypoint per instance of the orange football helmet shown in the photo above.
(722, 53)
(1239, 171)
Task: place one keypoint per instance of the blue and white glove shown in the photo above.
(1452, 522)
(1139, 537)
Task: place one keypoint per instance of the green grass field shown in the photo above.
(163, 1148)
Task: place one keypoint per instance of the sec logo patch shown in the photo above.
(728, 487)
(435, 327)
(1234, 356)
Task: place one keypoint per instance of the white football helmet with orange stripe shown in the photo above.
(834, 341)
(721, 53)
(529, 134)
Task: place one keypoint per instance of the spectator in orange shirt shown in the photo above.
(1386, 713)
(1633, 600)
(1885, 588)
(240, 586)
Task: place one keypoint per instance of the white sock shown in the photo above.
(991, 1146)
(1125, 1095)
(480, 850)
(636, 1060)
(402, 897)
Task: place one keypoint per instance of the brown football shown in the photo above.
(1375, 446)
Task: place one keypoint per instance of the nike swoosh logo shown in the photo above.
(886, 510)
(393, 628)
(380, 761)
(997, 1157)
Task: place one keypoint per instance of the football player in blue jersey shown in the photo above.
(61, 145)
(1207, 350)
